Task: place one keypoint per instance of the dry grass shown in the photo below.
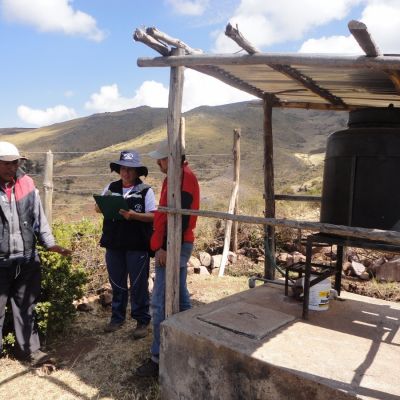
(94, 365)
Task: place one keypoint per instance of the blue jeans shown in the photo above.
(135, 264)
(158, 297)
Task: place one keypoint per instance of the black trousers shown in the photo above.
(21, 284)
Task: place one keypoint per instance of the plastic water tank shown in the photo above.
(362, 168)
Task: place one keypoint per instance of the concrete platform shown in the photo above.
(254, 345)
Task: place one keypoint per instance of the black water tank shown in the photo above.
(362, 171)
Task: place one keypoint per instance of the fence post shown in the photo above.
(174, 236)
(236, 177)
(48, 187)
(232, 202)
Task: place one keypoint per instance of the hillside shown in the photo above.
(299, 145)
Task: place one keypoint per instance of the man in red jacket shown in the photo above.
(190, 197)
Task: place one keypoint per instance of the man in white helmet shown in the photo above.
(22, 224)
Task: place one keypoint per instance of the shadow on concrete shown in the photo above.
(352, 348)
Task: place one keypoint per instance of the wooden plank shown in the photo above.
(287, 70)
(228, 228)
(236, 178)
(364, 39)
(229, 79)
(391, 62)
(395, 78)
(141, 36)
(308, 83)
(163, 37)
(269, 194)
(292, 197)
(174, 236)
(236, 36)
(391, 237)
(232, 202)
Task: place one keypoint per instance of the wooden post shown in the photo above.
(269, 195)
(232, 203)
(174, 237)
(48, 187)
(236, 178)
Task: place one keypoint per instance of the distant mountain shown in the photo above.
(91, 133)
(11, 131)
(299, 144)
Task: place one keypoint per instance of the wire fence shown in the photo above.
(76, 179)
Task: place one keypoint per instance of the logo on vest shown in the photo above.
(138, 208)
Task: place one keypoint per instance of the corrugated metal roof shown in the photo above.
(355, 86)
(293, 80)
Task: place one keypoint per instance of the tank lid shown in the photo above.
(374, 116)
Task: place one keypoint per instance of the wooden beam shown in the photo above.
(292, 197)
(306, 105)
(215, 72)
(236, 178)
(269, 193)
(229, 79)
(174, 235)
(360, 32)
(308, 83)
(319, 60)
(286, 70)
(237, 37)
(395, 78)
(163, 37)
(315, 106)
(141, 36)
(390, 237)
(232, 203)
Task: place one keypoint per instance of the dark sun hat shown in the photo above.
(131, 159)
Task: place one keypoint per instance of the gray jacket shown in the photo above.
(22, 223)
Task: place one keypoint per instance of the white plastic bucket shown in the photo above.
(319, 295)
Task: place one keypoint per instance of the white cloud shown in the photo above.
(382, 19)
(52, 16)
(265, 23)
(332, 44)
(188, 7)
(200, 89)
(49, 116)
(150, 93)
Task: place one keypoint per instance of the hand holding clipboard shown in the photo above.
(110, 206)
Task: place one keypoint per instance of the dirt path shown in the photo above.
(93, 365)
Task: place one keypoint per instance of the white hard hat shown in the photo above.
(8, 152)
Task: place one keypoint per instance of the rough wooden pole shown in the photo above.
(269, 195)
(389, 237)
(48, 187)
(174, 237)
(236, 178)
(228, 229)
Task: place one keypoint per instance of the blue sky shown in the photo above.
(64, 59)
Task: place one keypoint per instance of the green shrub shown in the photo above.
(65, 279)
(62, 283)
